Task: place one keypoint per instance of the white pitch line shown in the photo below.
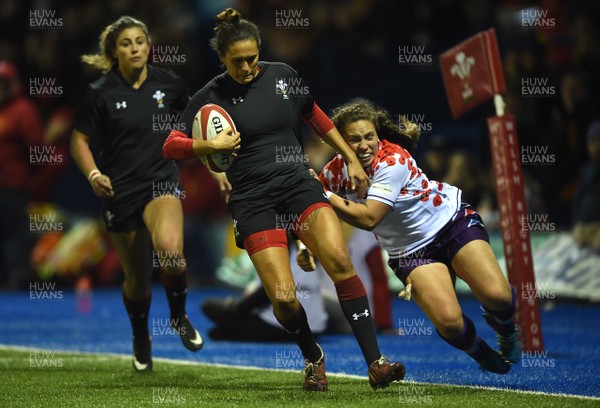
(254, 368)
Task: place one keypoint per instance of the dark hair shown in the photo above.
(231, 27)
(405, 133)
(104, 59)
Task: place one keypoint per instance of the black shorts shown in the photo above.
(280, 208)
(124, 212)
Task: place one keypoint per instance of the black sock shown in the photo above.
(355, 305)
(176, 290)
(468, 341)
(502, 320)
(137, 310)
(297, 326)
(247, 303)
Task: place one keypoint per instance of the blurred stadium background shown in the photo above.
(383, 50)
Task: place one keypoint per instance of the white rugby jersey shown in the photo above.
(420, 207)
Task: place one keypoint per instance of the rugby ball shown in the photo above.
(210, 120)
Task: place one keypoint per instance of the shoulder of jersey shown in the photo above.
(336, 165)
(106, 81)
(208, 90)
(389, 155)
(336, 159)
(280, 66)
(163, 74)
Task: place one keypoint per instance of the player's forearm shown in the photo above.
(81, 153)
(178, 146)
(323, 126)
(353, 213)
(204, 147)
(335, 140)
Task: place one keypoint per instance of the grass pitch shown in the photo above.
(43, 378)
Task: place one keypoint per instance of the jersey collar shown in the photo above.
(115, 72)
(262, 67)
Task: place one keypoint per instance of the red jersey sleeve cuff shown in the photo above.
(318, 121)
(178, 146)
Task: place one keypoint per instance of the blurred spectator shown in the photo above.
(20, 143)
(205, 222)
(318, 152)
(465, 172)
(586, 203)
(436, 154)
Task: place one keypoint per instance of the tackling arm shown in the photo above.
(364, 216)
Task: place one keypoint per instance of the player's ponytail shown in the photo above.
(405, 133)
(230, 28)
(104, 59)
(227, 16)
(410, 129)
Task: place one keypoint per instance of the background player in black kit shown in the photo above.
(272, 191)
(139, 188)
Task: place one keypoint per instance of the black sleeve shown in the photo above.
(183, 95)
(306, 101)
(186, 120)
(88, 116)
